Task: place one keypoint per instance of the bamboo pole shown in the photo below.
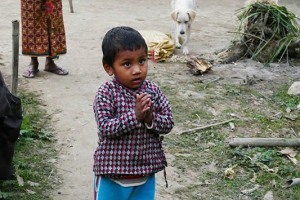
(15, 57)
(71, 6)
(265, 142)
(292, 182)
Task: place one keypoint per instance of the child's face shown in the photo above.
(130, 68)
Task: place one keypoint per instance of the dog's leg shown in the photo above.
(185, 49)
(174, 15)
(177, 42)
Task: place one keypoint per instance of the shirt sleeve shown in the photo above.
(109, 124)
(162, 116)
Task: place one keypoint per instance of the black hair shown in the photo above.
(118, 39)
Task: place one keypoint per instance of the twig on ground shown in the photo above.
(64, 170)
(209, 82)
(50, 174)
(207, 126)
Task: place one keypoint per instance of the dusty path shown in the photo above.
(69, 99)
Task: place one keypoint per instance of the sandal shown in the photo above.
(58, 71)
(30, 72)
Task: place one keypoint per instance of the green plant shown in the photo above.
(283, 99)
(267, 30)
(33, 151)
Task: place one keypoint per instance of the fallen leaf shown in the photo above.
(269, 196)
(229, 172)
(20, 181)
(248, 191)
(291, 154)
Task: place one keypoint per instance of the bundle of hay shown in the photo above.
(267, 32)
(160, 45)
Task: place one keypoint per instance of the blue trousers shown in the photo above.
(106, 189)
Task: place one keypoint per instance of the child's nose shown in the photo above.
(136, 69)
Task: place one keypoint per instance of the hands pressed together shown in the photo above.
(144, 108)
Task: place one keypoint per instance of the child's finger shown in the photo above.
(142, 97)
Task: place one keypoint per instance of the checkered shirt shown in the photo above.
(126, 146)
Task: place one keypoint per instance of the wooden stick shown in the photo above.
(209, 82)
(207, 126)
(265, 142)
(71, 6)
(15, 61)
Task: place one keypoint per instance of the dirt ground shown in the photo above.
(69, 99)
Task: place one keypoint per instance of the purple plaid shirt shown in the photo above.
(126, 146)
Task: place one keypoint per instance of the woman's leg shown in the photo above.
(32, 68)
(50, 66)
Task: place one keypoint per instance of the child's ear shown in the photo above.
(109, 70)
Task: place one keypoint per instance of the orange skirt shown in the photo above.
(43, 32)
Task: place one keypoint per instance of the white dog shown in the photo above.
(183, 13)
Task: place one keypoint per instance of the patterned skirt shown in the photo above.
(43, 32)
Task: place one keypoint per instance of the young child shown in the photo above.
(131, 113)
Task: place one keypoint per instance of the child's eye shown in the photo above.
(142, 61)
(126, 64)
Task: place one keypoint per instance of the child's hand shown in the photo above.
(143, 108)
